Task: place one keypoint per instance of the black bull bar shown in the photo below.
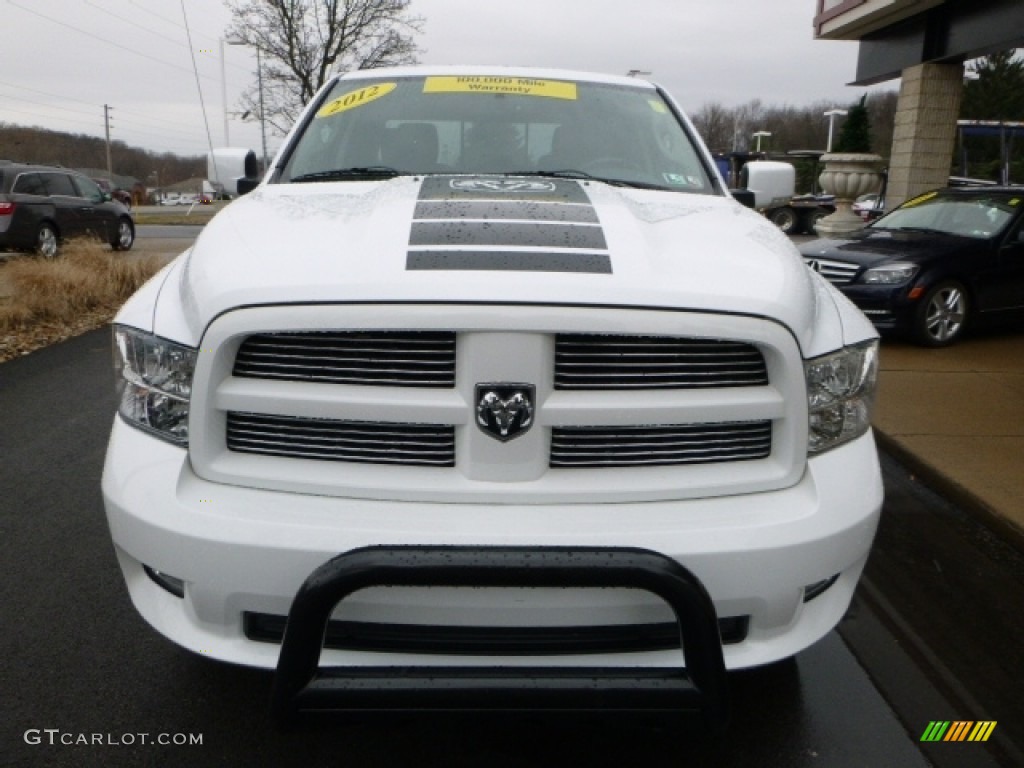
(301, 685)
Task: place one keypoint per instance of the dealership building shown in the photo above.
(924, 42)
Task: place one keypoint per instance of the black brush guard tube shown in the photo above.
(300, 685)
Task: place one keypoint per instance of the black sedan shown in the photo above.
(940, 263)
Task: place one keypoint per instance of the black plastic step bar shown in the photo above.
(301, 685)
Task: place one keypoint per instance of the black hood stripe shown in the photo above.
(524, 210)
(511, 261)
(527, 234)
(506, 223)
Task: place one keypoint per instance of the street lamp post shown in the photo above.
(832, 114)
(759, 135)
(224, 94)
(259, 79)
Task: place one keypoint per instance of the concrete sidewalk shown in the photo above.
(955, 416)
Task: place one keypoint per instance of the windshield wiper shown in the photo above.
(925, 230)
(364, 172)
(583, 175)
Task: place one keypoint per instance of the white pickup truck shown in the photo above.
(491, 390)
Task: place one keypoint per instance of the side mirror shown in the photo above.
(743, 196)
(247, 184)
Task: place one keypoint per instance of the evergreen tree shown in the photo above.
(998, 91)
(855, 135)
(995, 94)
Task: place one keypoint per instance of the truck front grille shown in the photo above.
(625, 403)
(651, 446)
(369, 358)
(611, 362)
(430, 445)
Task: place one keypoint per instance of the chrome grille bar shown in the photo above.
(670, 445)
(334, 440)
(367, 358)
(609, 362)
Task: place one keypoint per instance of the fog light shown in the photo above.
(811, 591)
(172, 584)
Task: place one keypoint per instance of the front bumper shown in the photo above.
(888, 307)
(242, 551)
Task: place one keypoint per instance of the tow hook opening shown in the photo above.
(172, 584)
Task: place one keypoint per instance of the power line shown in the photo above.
(101, 39)
(47, 117)
(135, 24)
(170, 133)
(46, 93)
(168, 137)
(45, 104)
(174, 148)
(120, 17)
(165, 19)
(199, 87)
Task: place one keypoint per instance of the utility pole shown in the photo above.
(263, 122)
(106, 123)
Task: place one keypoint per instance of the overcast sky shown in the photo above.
(64, 59)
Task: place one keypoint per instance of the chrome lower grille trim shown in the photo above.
(431, 445)
(661, 445)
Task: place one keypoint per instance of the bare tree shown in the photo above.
(303, 42)
(714, 123)
(747, 118)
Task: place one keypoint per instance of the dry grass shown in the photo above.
(62, 297)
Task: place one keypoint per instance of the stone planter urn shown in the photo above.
(847, 176)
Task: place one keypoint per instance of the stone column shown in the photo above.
(924, 136)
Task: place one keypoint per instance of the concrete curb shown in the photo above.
(952, 490)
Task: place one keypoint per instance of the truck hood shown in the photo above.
(496, 240)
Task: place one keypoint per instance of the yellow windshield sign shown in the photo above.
(357, 98)
(519, 86)
(918, 200)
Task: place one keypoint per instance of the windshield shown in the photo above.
(979, 216)
(373, 128)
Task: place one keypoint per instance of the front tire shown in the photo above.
(941, 318)
(46, 241)
(814, 217)
(785, 219)
(124, 237)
